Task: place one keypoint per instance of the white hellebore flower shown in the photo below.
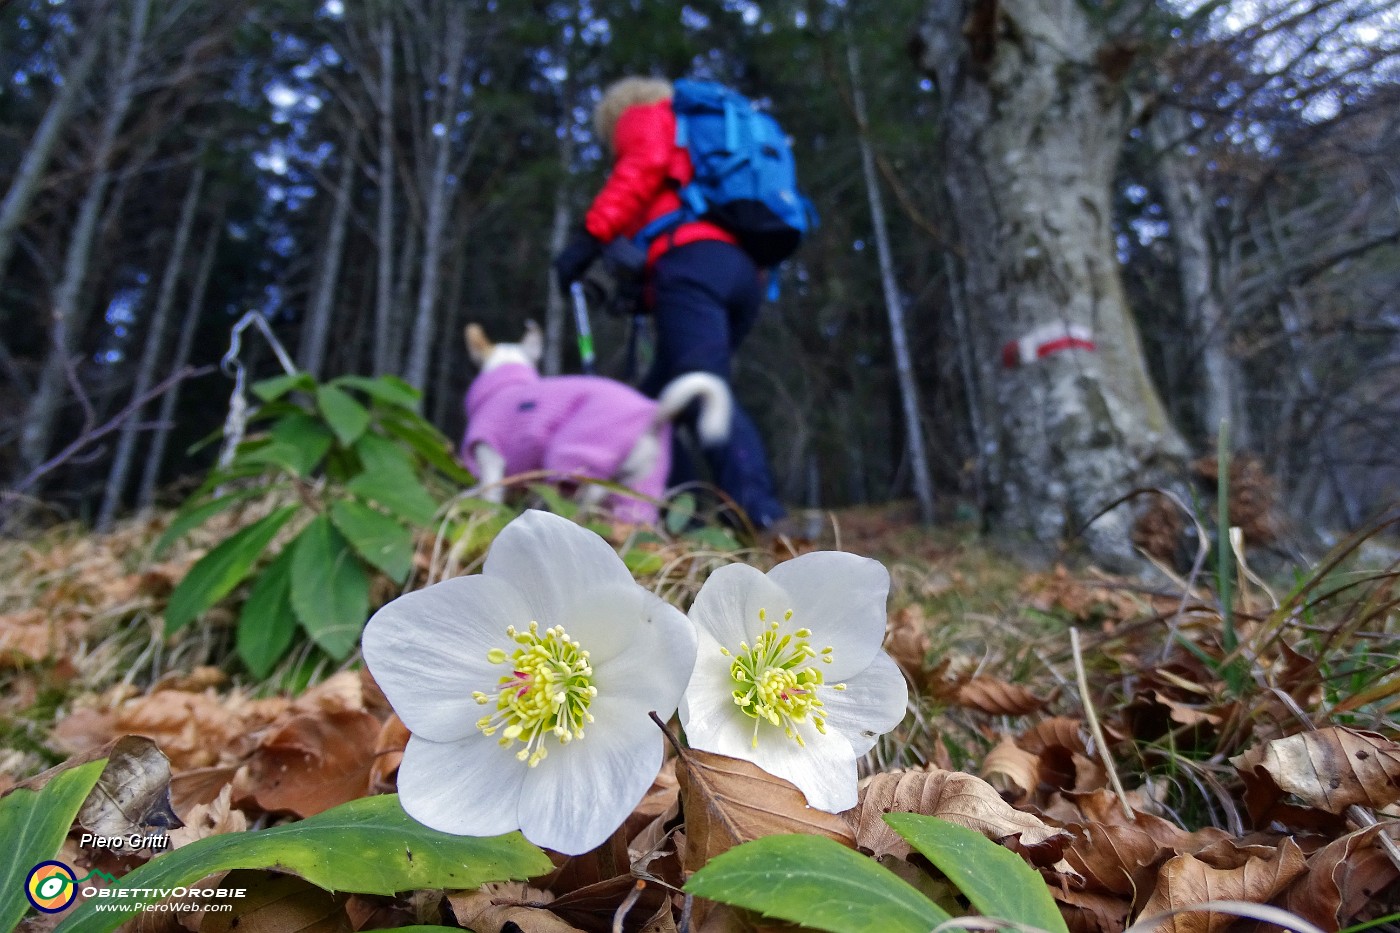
(790, 674)
(527, 687)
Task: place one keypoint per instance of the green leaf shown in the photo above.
(400, 493)
(367, 846)
(347, 417)
(681, 510)
(994, 879)
(818, 883)
(429, 443)
(376, 537)
(218, 572)
(330, 591)
(278, 386)
(189, 518)
(267, 624)
(381, 455)
(33, 825)
(298, 443)
(386, 389)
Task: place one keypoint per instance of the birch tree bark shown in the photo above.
(904, 364)
(151, 351)
(385, 360)
(150, 473)
(26, 182)
(311, 354)
(438, 197)
(70, 312)
(1189, 209)
(1035, 116)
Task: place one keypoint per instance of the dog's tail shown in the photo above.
(716, 406)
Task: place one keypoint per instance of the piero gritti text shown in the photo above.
(132, 842)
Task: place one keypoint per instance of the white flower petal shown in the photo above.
(469, 787)
(873, 703)
(824, 769)
(581, 792)
(427, 651)
(654, 661)
(727, 605)
(709, 716)
(550, 560)
(841, 598)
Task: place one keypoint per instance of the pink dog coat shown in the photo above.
(569, 425)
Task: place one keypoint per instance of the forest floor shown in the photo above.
(1140, 745)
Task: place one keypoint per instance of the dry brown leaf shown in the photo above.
(907, 640)
(199, 785)
(1012, 770)
(278, 904)
(493, 906)
(951, 795)
(1331, 769)
(1344, 877)
(593, 907)
(388, 755)
(996, 697)
(1186, 881)
(728, 801)
(210, 819)
(312, 763)
(132, 794)
(1092, 911)
(1114, 858)
(27, 637)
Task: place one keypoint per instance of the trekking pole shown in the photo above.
(585, 332)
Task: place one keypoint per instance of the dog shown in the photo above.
(578, 427)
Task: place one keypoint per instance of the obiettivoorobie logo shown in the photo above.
(52, 886)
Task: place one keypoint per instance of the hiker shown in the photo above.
(703, 288)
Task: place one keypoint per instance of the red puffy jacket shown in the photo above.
(647, 171)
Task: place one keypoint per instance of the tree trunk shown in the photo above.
(70, 312)
(25, 185)
(151, 352)
(311, 354)
(150, 474)
(438, 197)
(1189, 209)
(1034, 128)
(385, 359)
(894, 304)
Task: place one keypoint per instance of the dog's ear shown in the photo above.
(478, 346)
(533, 342)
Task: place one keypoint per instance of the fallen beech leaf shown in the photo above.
(951, 795)
(494, 907)
(313, 763)
(1344, 877)
(593, 907)
(907, 641)
(1186, 880)
(1114, 858)
(338, 693)
(210, 819)
(27, 637)
(133, 793)
(1092, 911)
(1332, 768)
(728, 801)
(996, 697)
(1012, 770)
(388, 755)
(197, 786)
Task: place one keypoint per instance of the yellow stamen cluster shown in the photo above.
(772, 682)
(547, 692)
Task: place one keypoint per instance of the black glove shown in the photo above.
(573, 260)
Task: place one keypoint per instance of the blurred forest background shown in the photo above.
(1211, 188)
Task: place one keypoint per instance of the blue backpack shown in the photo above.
(745, 180)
